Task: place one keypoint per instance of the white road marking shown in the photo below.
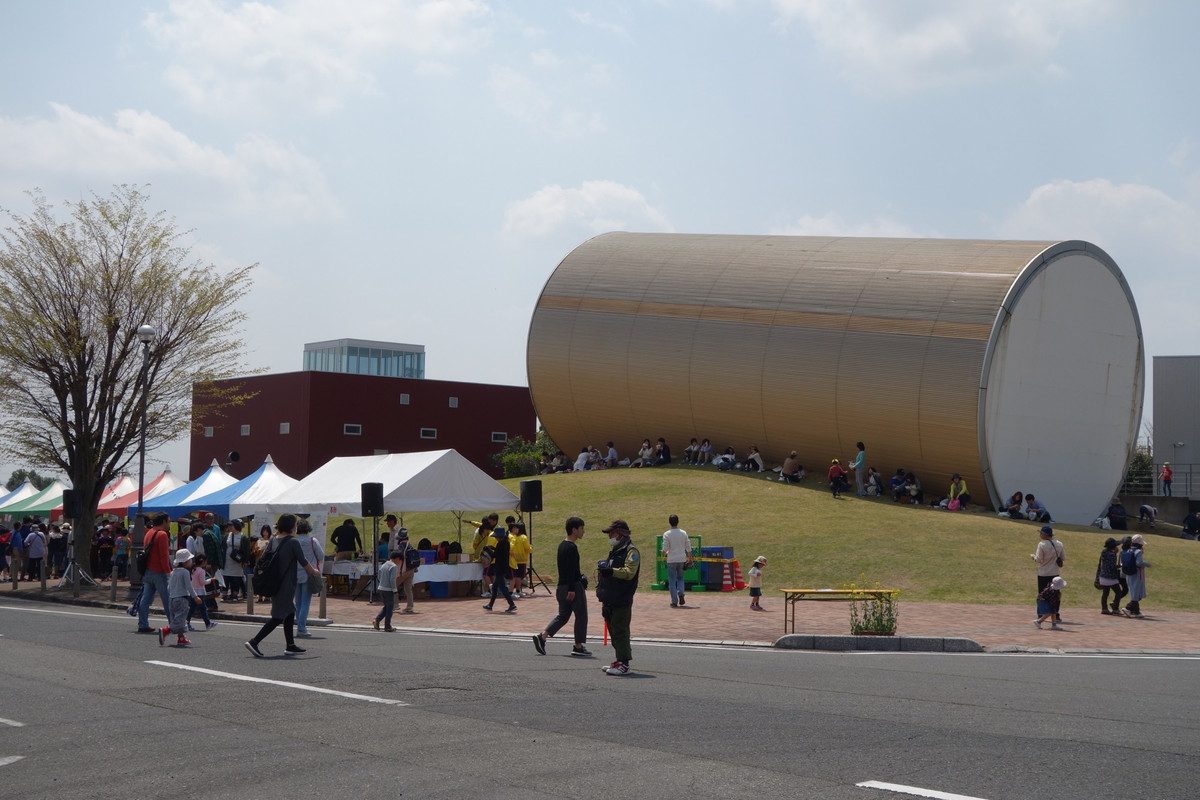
(12, 723)
(914, 790)
(285, 684)
(6, 760)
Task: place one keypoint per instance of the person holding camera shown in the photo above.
(571, 593)
(615, 589)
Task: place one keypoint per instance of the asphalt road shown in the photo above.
(92, 710)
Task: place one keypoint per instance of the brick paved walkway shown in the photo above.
(726, 617)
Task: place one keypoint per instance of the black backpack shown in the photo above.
(267, 575)
(412, 558)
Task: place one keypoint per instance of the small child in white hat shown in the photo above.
(755, 582)
(182, 594)
(1048, 600)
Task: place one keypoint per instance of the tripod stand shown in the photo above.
(75, 572)
(534, 579)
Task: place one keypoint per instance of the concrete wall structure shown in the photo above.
(1177, 420)
(1018, 364)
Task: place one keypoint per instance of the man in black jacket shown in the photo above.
(571, 593)
(615, 589)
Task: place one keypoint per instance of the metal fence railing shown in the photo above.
(1184, 483)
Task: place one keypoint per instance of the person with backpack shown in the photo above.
(1108, 578)
(1049, 557)
(156, 547)
(275, 576)
(406, 569)
(1133, 566)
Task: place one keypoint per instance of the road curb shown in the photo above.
(883, 644)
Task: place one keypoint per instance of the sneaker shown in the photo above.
(145, 630)
(190, 628)
(294, 648)
(580, 650)
(389, 630)
(681, 601)
(1127, 612)
(210, 626)
(1037, 623)
(1106, 611)
(607, 667)
(1138, 615)
(375, 624)
(511, 609)
(487, 606)
(1054, 626)
(539, 644)
(162, 636)
(253, 648)
(183, 640)
(674, 605)
(619, 669)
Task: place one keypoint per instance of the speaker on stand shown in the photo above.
(372, 506)
(531, 501)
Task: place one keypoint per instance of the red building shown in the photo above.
(303, 419)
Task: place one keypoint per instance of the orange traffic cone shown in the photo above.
(739, 583)
(727, 577)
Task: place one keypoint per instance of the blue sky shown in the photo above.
(414, 171)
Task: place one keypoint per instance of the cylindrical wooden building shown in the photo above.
(1017, 364)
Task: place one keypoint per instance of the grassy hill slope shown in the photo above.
(812, 540)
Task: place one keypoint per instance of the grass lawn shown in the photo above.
(814, 541)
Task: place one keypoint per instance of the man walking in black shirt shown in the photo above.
(571, 593)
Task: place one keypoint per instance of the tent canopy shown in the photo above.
(22, 492)
(119, 504)
(42, 503)
(241, 498)
(176, 502)
(436, 480)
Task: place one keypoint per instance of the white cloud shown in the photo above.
(887, 46)
(234, 58)
(260, 175)
(832, 224)
(1135, 219)
(535, 104)
(587, 18)
(592, 208)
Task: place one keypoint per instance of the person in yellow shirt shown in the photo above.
(519, 555)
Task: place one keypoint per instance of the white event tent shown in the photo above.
(436, 480)
(126, 500)
(23, 492)
(176, 502)
(242, 498)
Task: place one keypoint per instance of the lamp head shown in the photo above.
(146, 334)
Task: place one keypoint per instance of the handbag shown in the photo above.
(954, 505)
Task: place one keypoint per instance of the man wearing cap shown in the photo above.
(404, 576)
(1049, 558)
(615, 590)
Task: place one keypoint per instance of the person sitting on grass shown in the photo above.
(1035, 510)
(706, 453)
(874, 483)
(959, 492)
(691, 453)
(754, 461)
(792, 470)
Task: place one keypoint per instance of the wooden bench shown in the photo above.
(793, 596)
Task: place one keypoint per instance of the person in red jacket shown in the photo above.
(158, 569)
(837, 478)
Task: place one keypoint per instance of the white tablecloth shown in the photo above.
(432, 573)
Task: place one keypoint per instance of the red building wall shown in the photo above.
(316, 406)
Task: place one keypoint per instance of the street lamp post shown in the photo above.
(145, 335)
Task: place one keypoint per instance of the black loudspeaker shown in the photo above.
(531, 495)
(72, 504)
(372, 499)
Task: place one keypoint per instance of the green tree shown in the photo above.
(19, 476)
(520, 457)
(76, 290)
